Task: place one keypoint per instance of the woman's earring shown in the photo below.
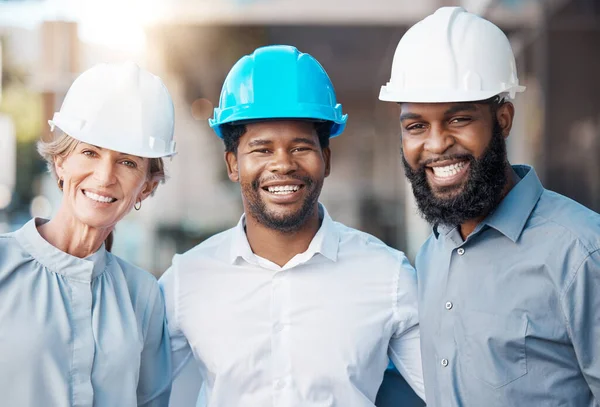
(136, 206)
(60, 184)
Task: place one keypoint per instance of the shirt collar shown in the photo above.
(325, 242)
(511, 214)
(56, 260)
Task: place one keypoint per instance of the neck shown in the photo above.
(71, 236)
(469, 226)
(280, 247)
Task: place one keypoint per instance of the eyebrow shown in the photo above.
(462, 107)
(410, 116)
(85, 145)
(263, 142)
(131, 156)
(304, 140)
(259, 142)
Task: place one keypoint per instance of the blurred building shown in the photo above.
(192, 44)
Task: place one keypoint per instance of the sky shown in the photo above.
(114, 23)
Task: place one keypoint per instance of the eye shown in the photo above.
(129, 163)
(415, 127)
(260, 151)
(300, 149)
(460, 120)
(89, 153)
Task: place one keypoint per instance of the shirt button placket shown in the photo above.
(280, 343)
(83, 342)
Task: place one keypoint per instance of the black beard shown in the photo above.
(481, 193)
(287, 223)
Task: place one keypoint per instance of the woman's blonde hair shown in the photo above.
(61, 145)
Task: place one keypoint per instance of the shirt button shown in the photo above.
(448, 305)
(444, 362)
(460, 251)
(278, 327)
(279, 384)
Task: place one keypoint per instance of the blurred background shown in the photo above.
(191, 44)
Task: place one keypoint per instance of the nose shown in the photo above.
(283, 162)
(439, 140)
(105, 172)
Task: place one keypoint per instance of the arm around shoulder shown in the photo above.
(405, 346)
(154, 385)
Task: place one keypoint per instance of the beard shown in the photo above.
(480, 194)
(282, 222)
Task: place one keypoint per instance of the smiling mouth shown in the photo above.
(283, 189)
(99, 198)
(449, 171)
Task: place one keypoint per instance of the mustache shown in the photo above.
(257, 182)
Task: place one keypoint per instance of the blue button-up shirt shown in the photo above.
(78, 332)
(511, 315)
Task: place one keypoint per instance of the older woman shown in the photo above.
(78, 325)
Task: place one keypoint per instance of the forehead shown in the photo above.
(418, 110)
(279, 129)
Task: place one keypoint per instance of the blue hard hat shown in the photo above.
(278, 82)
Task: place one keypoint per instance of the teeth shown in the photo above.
(283, 189)
(99, 198)
(448, 170)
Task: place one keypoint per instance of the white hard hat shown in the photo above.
(120, 107)
(452, 56)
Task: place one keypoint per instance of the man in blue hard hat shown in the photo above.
(289, 308)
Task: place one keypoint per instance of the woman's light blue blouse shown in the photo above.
(78, 332)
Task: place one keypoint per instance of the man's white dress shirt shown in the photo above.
(315, 332)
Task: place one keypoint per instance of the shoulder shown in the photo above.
(8, 242)
(211, 254)
(562, 219)
(140, 282)
(356, 245)
(12, 253)
(212, 248)
(426, 248)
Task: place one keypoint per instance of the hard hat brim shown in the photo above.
(249, 113)
(96, 141)
(441, 96)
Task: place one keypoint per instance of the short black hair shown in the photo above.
(232, 132)
(494, 103)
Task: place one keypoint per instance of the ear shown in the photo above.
(505, 115)
(58, 166)
(149, 187)
(327, 158)
(232, 166)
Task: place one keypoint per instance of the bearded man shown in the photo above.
(509, 280)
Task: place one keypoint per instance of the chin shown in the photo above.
(96, 220)
(449, 192)
(283, 214)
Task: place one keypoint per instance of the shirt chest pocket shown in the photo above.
(491, 347)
